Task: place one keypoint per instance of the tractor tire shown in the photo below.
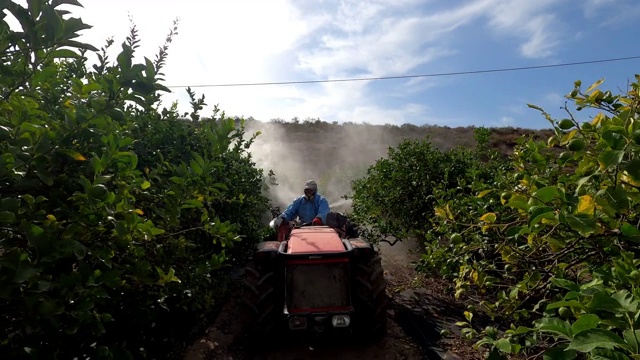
(263, 298)
(369, 298)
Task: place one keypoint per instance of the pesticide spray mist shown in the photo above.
(332, 155)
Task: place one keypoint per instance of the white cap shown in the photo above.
(310, 184)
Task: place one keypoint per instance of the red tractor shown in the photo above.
(318, 280)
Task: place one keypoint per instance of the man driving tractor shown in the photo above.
(310, 208)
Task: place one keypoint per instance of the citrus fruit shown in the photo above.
(576, 145)
(564, 312)
(508, 268)
(565, 155)
(456, 238)
(98, 191)
(565, 124)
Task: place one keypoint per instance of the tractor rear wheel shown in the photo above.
(370, 298)
(262, 296)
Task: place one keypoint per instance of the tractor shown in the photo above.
(316, 280)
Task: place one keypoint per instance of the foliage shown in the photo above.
(553, 245)
(482, 135)
(116, 218)
(396, 197)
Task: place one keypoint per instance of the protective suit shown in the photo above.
(310, 207)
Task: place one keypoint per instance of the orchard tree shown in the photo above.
(117, 219)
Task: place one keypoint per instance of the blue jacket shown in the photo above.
(306, 210)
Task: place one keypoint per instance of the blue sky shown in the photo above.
(291, 40)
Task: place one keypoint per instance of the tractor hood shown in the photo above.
(315, 239)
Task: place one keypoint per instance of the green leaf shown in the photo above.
(519, 201)
(34, 233)
(7, 217)
(177, 180)
(145, 185)
(561, 303)
(71, 230)
(522, 330)
(489, 218)
(594, 85)
(596, 338)
(559, 354)
(602, 301)
(582, 223)
(605, 354)
(582, 182)
(56, 3)
(198, 159)
(128, 156)
(540, 212)
(124, 58)
(610, 158)
(72, 246)
(631, 337)
(548, 193)
(45, 177)
(43, 145)
(634, 195)
(73, 154)
(53, 24)
(617, 198)
(10, 204)
(535, 107)
(630, 231)
(614, 136)
(34, 7)
(64, 53)
(24, 273)
(196, 167)
(503, 345)
(585, 322)
(627, 300)
(633, 169)
(78, 45)
(156, 231)
(565, 284)
(555, 326)
(192, 204)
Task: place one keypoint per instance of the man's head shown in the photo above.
(310, 189)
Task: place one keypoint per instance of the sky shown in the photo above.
(244, 41)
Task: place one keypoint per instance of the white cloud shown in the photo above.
(533, 21)
(280, 40)
(218, 41)
(506, 121)
(592, 7)
(380, 39)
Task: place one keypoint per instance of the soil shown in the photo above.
(420, 309)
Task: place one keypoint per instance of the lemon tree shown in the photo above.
(552, 250)
(118, 219)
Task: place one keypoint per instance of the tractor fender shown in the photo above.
(361, 247)
(266, 249)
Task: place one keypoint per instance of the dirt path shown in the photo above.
(420, 309)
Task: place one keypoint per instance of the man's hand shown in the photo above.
(279, 220)
(316, 222)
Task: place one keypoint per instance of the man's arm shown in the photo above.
(323, 210)
(290, 212)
